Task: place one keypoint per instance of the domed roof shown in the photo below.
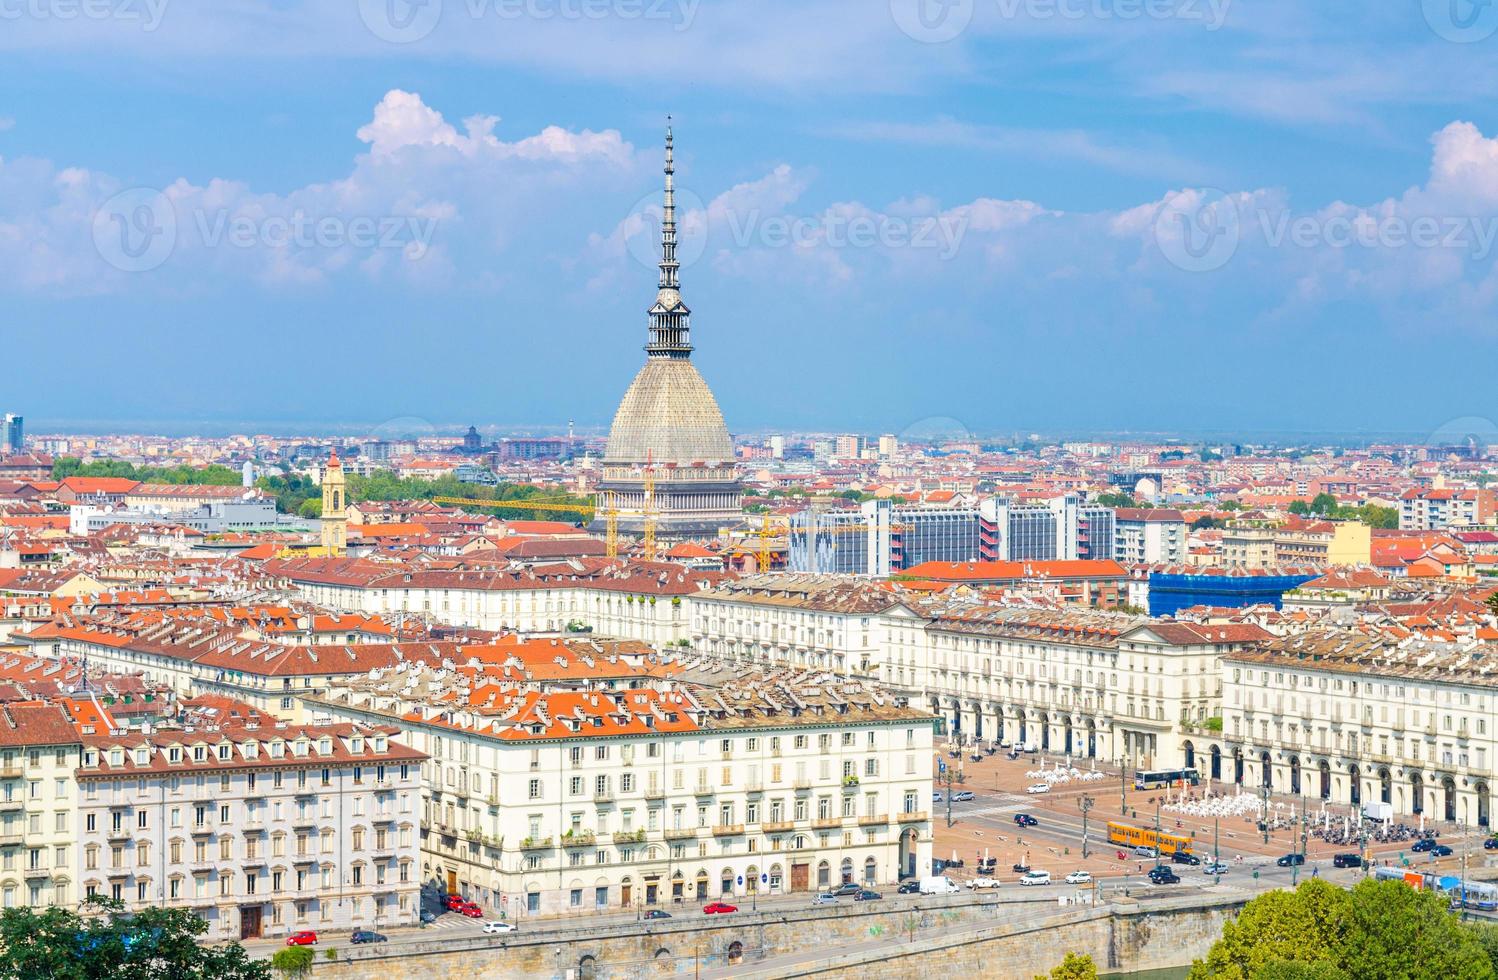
(670, 416)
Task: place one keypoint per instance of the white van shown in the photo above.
(939, 885)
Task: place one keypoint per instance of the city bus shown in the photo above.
(1163, 843)
(1161, 778)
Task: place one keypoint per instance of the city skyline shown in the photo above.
(891, 245)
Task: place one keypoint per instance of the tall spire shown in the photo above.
(669, 266)
(670, 326)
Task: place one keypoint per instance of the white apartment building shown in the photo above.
(258, 829)
(1440, 507)
(1351, 718)
(1149, 536)
(1084, 683)
(1075, 681)
(630, 601)
(822, 622)
(542, 803)
(39, 749)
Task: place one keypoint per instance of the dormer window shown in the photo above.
(356, 744)
(174, 754)
(380, 743)
(224, 752)
(116, 757)
(142, 756)
(199, 753)
(324, 746)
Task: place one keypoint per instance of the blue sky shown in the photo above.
(1052, 215)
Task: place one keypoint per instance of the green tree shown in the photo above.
(1299, 508)
(1324, 503)
(1116, 500)
(152, 944)
(1381, 930)
(293, 962)
(311, 507)
(1076, 966)
(1396, 931)
(1300, 926)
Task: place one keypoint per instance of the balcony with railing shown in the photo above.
(728, 830)
(535, 844)
(912, 816)
(579, 838)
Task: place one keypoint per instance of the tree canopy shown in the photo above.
(1325, 505)
(215, 475)
(1380, 930)
(55, 943)
(1076, 966)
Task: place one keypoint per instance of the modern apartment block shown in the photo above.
(1149, 536)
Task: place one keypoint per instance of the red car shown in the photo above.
(471, 910)
(455, 902)
(304, 938)
(719, 908)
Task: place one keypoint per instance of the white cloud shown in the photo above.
(424, 195)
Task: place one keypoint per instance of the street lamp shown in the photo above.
(1085, 803)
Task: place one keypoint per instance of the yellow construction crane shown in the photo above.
(558, 505)
(647, 537)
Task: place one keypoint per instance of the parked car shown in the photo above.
(1441, 851)
(847, 888)
(911, 887)
(963, 796)
(1079, 878)
(1291, 860)
(305, 937)
(1019, 867)
(1038, 788)
(1036, 877)
(471, 910)
(718, 908)
(367, 936)
(983, 883)
(1185, 857)
(1146, 852)
(1215, 868)
(657, 914)
(867, 895)
(825, 898)
(1347, 860)
(1423, 844)
(1491, 844)
(496, 927)
(1163, 875)
(428, 917)
(455, 902)
(1025, 820)
(936, 797)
